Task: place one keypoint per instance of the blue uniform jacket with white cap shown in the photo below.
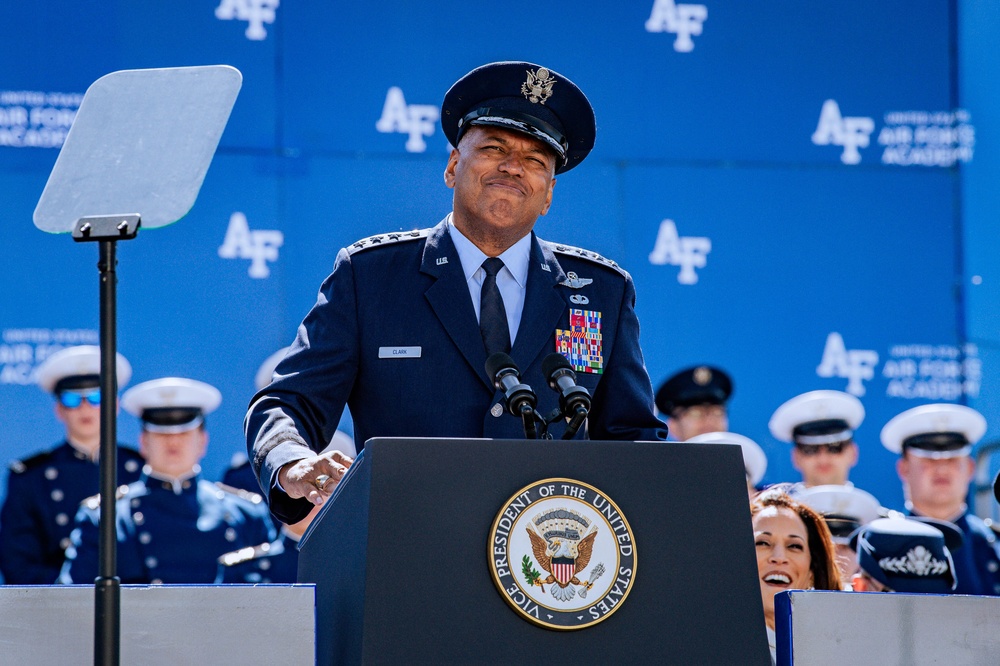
(44, 492)
(394, 334)
(168, 532)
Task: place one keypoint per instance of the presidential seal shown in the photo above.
(562, 554)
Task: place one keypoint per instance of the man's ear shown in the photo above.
(449, 170)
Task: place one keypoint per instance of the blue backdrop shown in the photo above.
(802, 193)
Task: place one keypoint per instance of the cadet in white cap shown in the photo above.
(935, 442)
(820, 425)
(172, 525)
(845, 510)
(754, 458)
(44, 490)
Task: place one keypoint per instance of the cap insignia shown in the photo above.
(918, 561)
(702, 376)
(538, 87)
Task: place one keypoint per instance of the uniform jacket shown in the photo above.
(407, 291)
(977, 564)
(43, 495)
(168, 533)
(274, 562)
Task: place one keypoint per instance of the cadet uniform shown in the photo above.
(274, 562)
(394, 333)
(44, 490)
(941, 432)
(171, 525)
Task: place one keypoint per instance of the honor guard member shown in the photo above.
(754, 458)
(694, 402)
(899, 554)
(172, 526)
(404, 325)
(45, 489)
(935, 442)
(240, 473)
(845, 509)
(820, 426)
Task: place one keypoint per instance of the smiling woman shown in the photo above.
(794, 550)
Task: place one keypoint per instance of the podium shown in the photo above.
(406, 555)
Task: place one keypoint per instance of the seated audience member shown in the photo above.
(845, 510)
(899, 554)
(754, 458)
(794, 550)
(45, 489)
(276, 561)
(172, 526)
(694, 402)
(820, 425)
(935, 465)
(240, 472)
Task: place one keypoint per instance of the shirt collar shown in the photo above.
(515, 258)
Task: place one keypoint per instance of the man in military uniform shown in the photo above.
(820, 426)
(45, 489)
(935, 442)
(405, 323)
(172, 525)
(694, 401)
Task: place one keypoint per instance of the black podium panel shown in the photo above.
(400, 558)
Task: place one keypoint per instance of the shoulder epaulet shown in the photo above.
(244, 555)
(569, 250)
(94, 501)
(23, 465)
(249, 496)
(382, 240)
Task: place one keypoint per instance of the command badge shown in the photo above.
(562, 554)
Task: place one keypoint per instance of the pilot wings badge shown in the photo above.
(538, 87)
(562, 554)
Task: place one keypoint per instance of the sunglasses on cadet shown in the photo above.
(73, 399)
(813, 449)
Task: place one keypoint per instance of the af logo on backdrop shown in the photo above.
(854, 365)
(259, 246)
(686, 252)
(414, 120)
(255, 12)
(850, 132)
(681, 19)
(562, 554)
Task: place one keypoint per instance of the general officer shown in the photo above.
(45, 489)
(695, 400)
(405, 323)
(171, 525)
(935, 442)
(240, 472)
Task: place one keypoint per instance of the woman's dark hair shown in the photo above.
(823, 561)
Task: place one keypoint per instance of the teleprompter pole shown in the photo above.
(107, 587)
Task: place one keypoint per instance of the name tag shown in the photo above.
(399, 352)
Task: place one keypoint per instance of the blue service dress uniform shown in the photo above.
(274, 562)
(407, 291)
(977, 561)
(169, 532)
(43, 495)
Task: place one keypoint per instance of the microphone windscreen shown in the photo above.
(554, 361)
(497, 362)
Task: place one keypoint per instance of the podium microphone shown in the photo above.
(574, 400)
(520, 399)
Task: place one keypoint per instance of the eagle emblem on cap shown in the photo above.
(538, 87)
(563, 552)
(702, 376)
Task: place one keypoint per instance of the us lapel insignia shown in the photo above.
(581, 342)
(573, 281)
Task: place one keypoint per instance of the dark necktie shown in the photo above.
(492, 314)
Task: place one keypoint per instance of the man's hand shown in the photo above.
(314, 478)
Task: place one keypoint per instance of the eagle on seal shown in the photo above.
(563, 558)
